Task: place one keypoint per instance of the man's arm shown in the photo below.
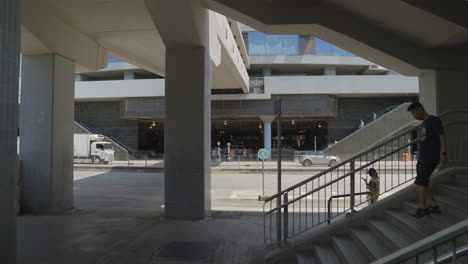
(443, 149)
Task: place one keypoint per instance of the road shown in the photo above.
(233, 191)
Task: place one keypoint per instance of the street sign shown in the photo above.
(263, 153)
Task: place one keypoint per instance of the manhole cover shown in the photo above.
(187, 251)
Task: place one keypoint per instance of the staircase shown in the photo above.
(388, 124)
(122, 150)
(385, 227)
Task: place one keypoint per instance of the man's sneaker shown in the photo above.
(420, 212)
(434, 210)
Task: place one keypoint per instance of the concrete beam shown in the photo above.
(355, 33)
(41, 20)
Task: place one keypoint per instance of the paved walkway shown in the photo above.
(118, 220)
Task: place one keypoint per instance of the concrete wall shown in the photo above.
(105, 118)
(293, 105)
(361, 85)
(114, 90)
(348, 111)
(393, 85)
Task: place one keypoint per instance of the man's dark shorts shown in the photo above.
(424, 170)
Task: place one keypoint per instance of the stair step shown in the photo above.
(439, 221)
(326, 255)
(394, 237)
(452, 206)
(369, 243)
(460, 193)
(289, 261)
(348, 251)
(306, 259)
(461, 180)
(408, 224)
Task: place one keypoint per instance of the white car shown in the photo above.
(318, 158)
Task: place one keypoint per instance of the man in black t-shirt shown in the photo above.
(432, 150)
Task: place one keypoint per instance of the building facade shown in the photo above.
(325, 93)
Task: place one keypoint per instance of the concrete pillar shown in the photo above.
(46, 133)
(266, 71)
(444, 93)
(187, 133)
(267, 120)
(9, 77)
(128, 75)
(329, 70)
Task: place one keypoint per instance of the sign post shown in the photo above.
(278, 144)
(263, 154)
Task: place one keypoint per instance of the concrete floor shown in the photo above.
(118, 219)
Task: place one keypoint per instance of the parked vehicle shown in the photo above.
(92, 146)
(318, 158)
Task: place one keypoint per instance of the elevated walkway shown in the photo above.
(387, 125)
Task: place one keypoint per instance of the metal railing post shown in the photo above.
(285, 221)
(352, 187)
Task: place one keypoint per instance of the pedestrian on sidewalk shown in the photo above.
(432, 150)
(373, 186)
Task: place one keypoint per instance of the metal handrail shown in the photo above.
(363, 153)
(116, 141)
(431, 243)
(123, 144)
(340, 178)
(341, 196)
(396, 145)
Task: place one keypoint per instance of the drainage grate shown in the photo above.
(186, 251)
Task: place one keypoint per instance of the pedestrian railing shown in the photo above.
(304, 206)
(446, 246)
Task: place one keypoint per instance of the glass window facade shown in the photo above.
(262, 44)
(326, 49)
(112, 59)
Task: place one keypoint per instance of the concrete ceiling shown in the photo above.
(87, 31)
(407, 36)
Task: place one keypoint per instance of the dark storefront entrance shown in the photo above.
(151, 137)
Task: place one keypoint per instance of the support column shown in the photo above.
(443, 93)
(187, 133)
(266, 71)
(9, 77)
(128, 75)
(267, 132)
(329, 70)
(46, 133)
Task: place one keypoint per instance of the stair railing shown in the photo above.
(303, 206)
(427, 250)
(116, 141)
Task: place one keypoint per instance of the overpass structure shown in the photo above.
(427, 39)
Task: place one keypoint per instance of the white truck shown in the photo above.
(92, 146)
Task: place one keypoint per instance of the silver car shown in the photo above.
(318, 158)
